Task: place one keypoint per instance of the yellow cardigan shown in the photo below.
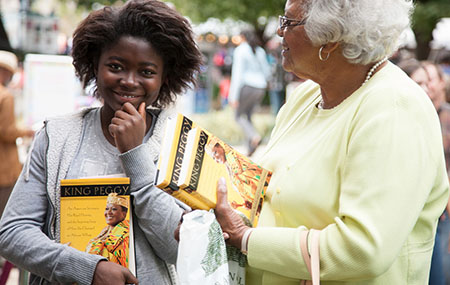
(369, 173)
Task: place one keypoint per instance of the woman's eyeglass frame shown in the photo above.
(288, 22)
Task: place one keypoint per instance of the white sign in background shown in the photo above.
(50, 87)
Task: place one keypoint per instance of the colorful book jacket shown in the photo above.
(171, 158)
(96, 218)
(206, 159)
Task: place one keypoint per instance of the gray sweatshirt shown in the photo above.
(29, 228)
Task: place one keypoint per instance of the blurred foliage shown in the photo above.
(201, 10)
(90, 5)
(246, 10)
(426, 15)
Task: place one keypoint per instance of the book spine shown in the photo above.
(165, 161)
(258, 197)
(188, 162)
(196, 169)
(190, 200)
(185, 127)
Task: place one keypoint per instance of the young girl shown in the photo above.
(138, 57)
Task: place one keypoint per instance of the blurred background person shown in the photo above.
(416, 71)
(10, 165)
(249, 75)
(426, 74)
(436, 92)
(277, 82)
(224, 86)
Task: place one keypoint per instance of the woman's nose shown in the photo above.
(280, 31)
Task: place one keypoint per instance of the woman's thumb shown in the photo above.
(221, 193)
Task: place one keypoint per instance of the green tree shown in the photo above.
(246, 10)
(426, 14)
(200, 10)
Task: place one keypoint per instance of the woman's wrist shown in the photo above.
(244, 241)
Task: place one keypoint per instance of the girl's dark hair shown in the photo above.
(165, 29)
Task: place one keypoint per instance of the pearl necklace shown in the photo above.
(368, 76)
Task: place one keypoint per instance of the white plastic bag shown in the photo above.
(202, 253)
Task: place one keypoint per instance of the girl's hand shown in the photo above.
(112, 273)
(128, 127)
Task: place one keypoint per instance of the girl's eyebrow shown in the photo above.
(145, 63)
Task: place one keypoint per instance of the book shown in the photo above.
(172, 151)
(96, 218)
(206, 158)
(171, 158)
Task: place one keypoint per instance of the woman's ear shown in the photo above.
(330, 47)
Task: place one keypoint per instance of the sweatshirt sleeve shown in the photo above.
(157, 213)
(22, 237)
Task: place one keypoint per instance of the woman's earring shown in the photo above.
(320, 54)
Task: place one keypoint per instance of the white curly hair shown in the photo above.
(368, 30)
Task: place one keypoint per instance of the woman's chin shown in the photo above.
(286, 63)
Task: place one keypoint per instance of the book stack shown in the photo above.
(193, 160)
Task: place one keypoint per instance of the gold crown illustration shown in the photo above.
(113, 198)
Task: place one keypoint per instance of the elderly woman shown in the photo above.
(359, 177)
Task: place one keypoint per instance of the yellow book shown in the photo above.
(172, 151)
(96, 218)
(206, 159)
(171, 157)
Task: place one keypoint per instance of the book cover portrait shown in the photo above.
(96, 218)
(248, 179)
(207, 159)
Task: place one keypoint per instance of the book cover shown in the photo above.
(96, 218)
(206, 159)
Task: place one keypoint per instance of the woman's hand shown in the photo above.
(231, 223)
(128, 127)
(112, 273)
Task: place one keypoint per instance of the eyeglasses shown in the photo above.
(287, 22)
